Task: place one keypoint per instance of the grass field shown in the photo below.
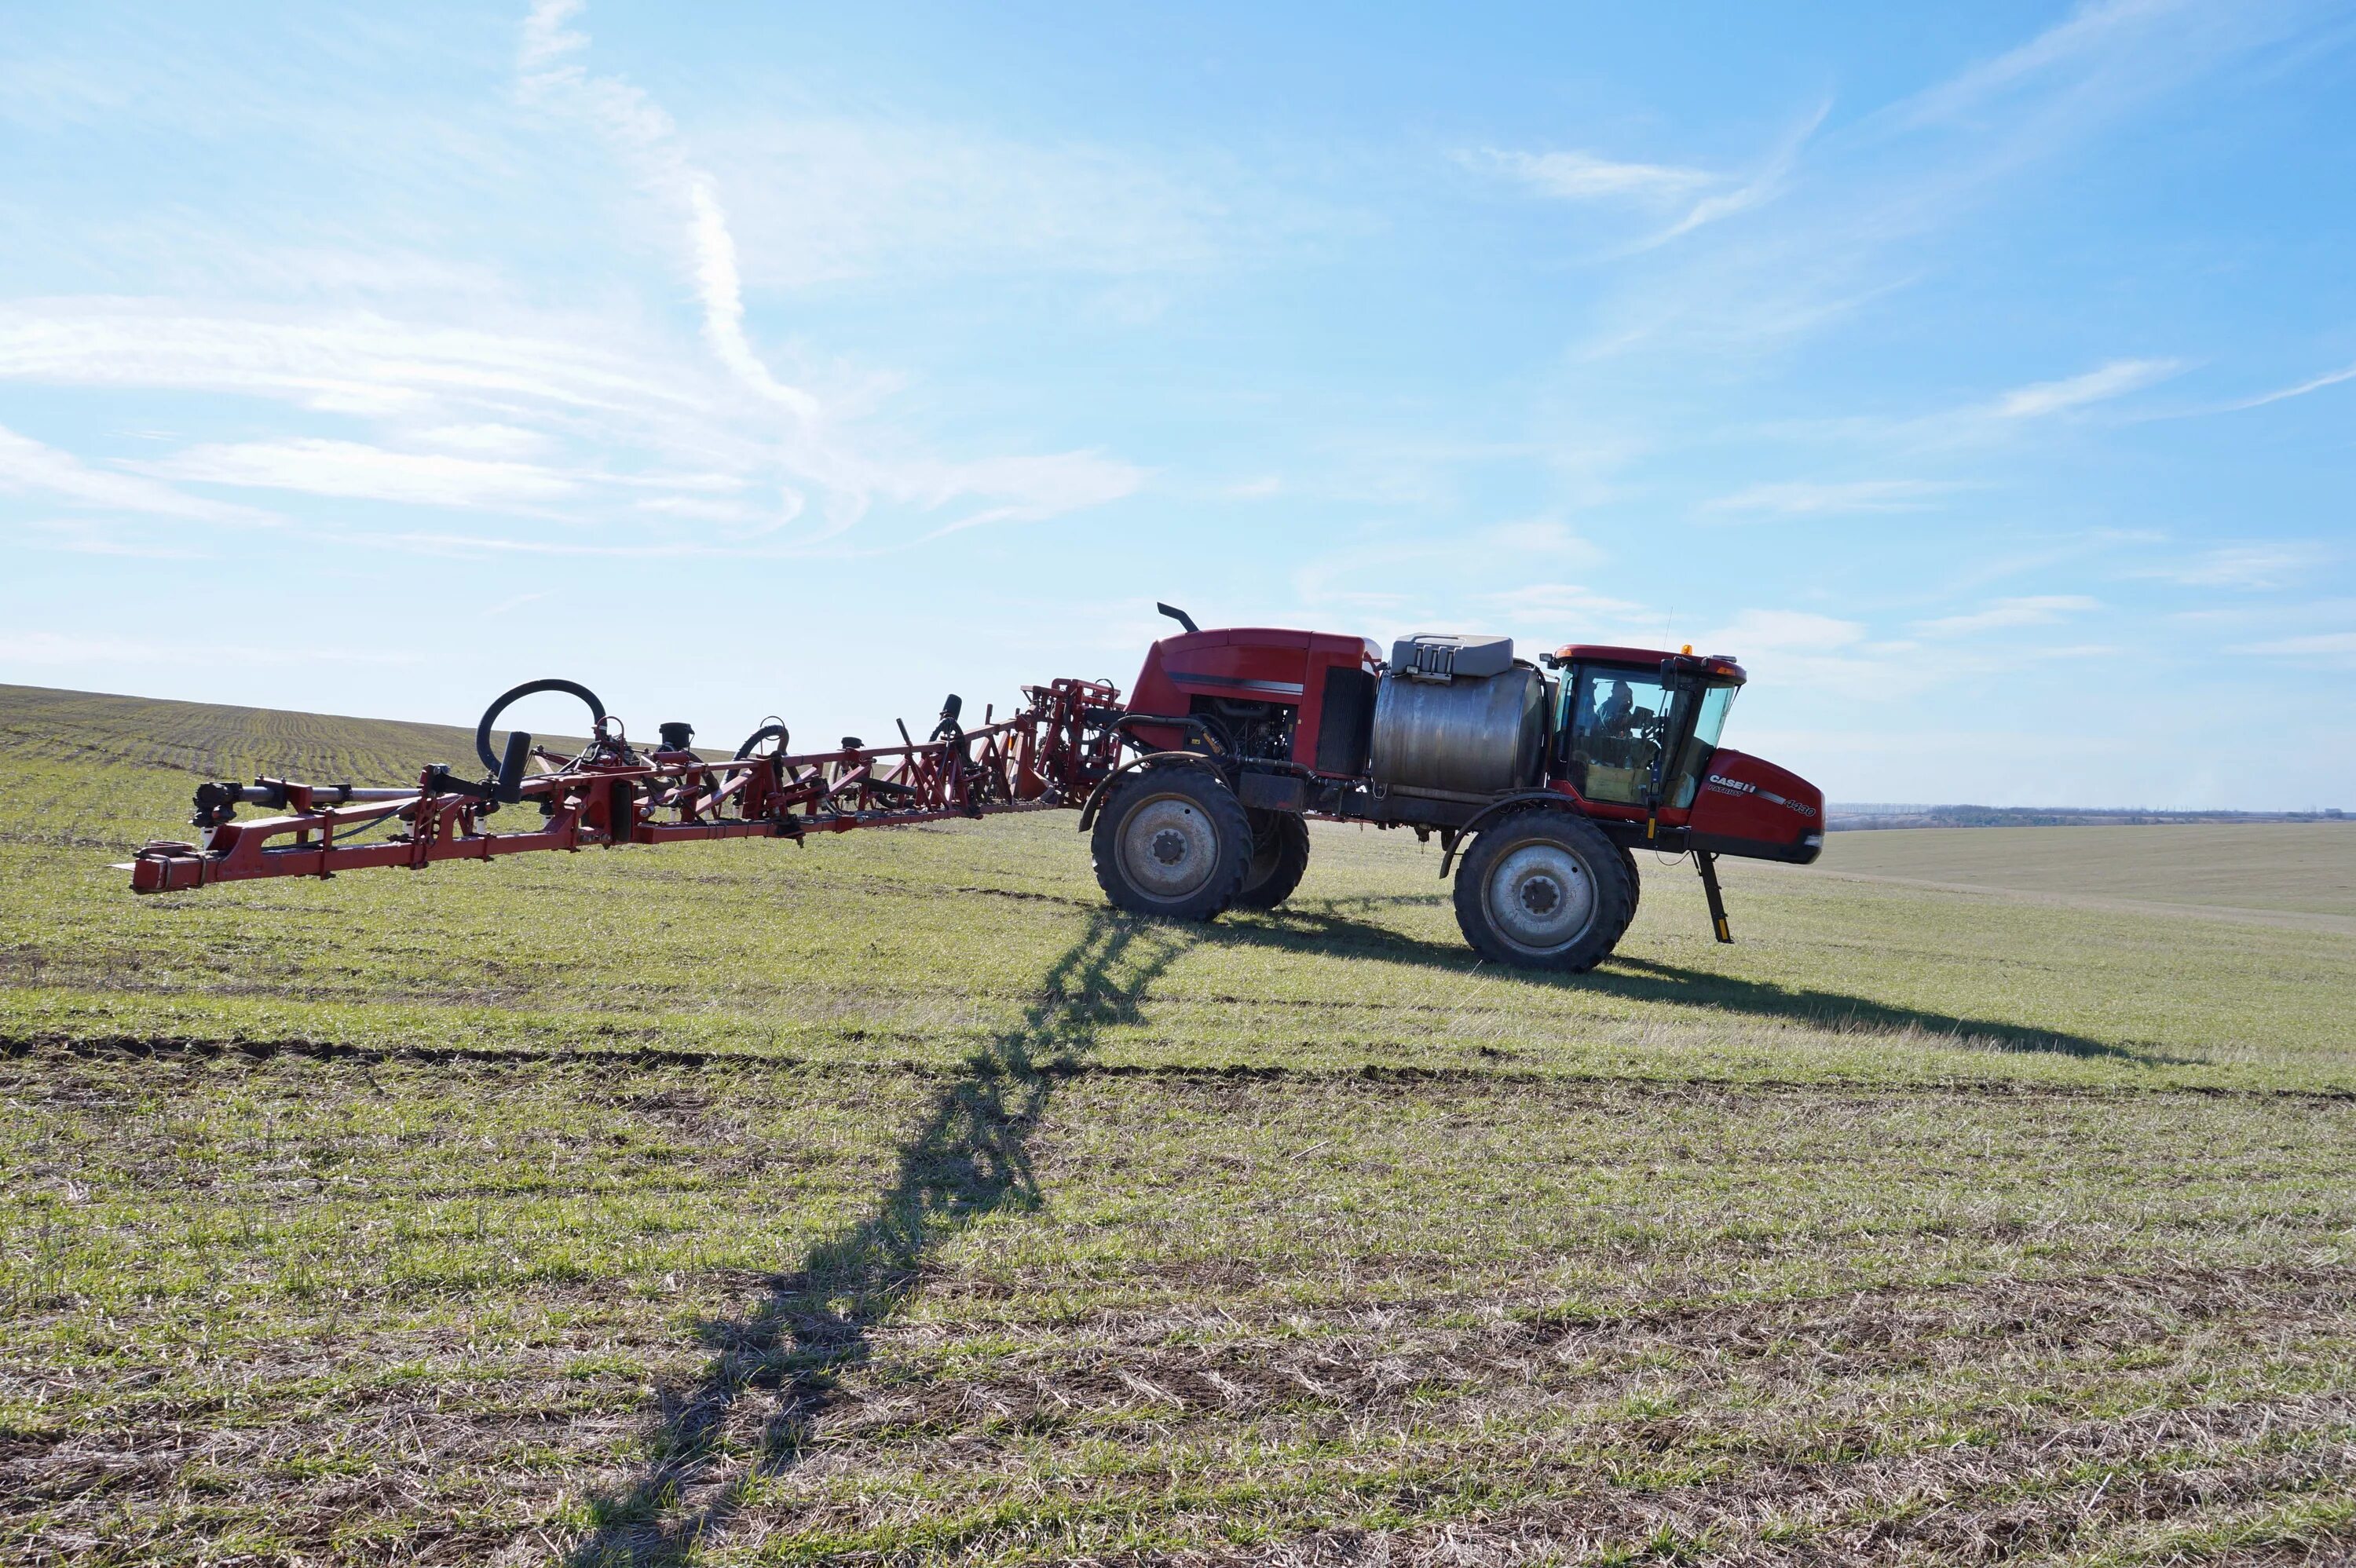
(2295, 867)
(893, 1201)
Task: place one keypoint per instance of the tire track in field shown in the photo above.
(627, 1059)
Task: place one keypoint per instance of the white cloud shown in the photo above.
(360, 363)
(485, 440)
(2037, 610)
(2118, 49)
(647, 137)
(1559, 601)
(83, 535)
(1761, 187)
(1802, 498)
(815, 201)
(1787, 631)
(1584, 177)
(1811, 658)
(2313, 384)
(357, 471)
(1013, 488)
(2323, 642)
(2239, 566)
(26, 464)
(2114, 379)
(1029, 489)
(484, 416)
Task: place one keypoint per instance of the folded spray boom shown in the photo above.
(1052, 753)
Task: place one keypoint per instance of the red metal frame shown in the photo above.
(1049, 754)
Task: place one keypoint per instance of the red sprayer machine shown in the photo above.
(1194, 791)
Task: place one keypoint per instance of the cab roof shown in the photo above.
(1719, 665)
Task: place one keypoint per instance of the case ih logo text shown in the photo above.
(1739, 787)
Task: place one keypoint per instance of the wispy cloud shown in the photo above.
(359, 364)
(354, 470)
(26, 464)
(1585, 177)
(830, 198)
(1787, 631)
(1802, 498)
(2321, 643)
(2086, 34)
(650, 140)
(2006, 614)
(2238, 566)
(2104, 54)
(1764, 186)
(1572, 606)
(1573, 174)
(1013, 488)
(2314, 384)
(2114, 379)
(1026, 489)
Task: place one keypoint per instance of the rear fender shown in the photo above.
(1747, 805)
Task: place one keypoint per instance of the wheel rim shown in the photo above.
(1541, 897)
(1169, 847)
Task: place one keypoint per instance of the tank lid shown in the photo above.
(1445, 656)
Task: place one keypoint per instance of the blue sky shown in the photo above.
(1984, 378)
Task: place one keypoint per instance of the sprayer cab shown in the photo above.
(1636, 739)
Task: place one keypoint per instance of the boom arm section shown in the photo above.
(1050, 753)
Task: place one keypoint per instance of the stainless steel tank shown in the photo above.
(1464, 736)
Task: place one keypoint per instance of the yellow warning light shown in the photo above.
(1686, 650)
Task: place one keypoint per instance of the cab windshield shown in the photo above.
(1628, 737)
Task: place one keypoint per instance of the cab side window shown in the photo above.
(1614, 724)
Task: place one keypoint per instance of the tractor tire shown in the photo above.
(1545, 889)
(1280, 855)
(1635, 882)
(1172, 842)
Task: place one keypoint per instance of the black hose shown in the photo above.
(491, 714)
(767, 732)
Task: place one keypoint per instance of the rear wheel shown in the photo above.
(1172, 842)
(1545, 889)
(1280, 855)
(1635, 882)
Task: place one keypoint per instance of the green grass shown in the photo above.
(2295, 867)
(892, 1201)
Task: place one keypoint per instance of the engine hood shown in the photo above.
(1747, 805)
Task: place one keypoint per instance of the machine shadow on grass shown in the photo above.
(969, 1157)
(1311, 930)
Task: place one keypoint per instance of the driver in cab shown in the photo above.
(1611, 718)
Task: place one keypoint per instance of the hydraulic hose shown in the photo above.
(765, 733)
(491, 759)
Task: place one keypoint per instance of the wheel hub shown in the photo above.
(1169, 847)
(1541, 897)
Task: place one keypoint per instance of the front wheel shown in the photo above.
(1545, 889)
(1172, 842)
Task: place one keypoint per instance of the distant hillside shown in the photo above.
(214, 741)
